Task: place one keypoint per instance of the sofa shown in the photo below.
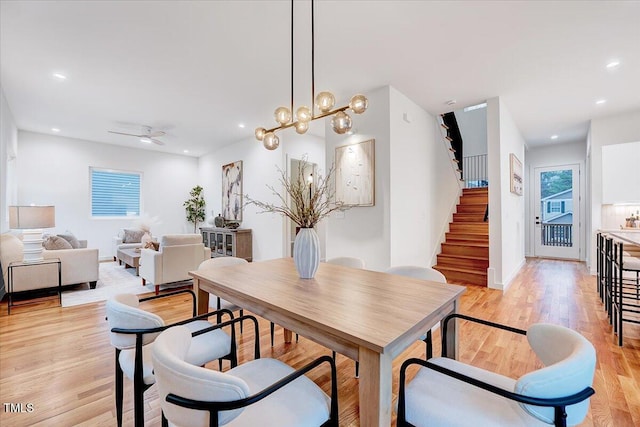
(129, 238)
(78, 266)
(177, 254)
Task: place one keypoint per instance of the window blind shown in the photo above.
(115, 194)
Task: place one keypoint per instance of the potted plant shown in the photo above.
(195, 207)
(305, 203)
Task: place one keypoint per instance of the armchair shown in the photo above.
(447, 392)
(177, 255)
(133, 332)
(262, 392)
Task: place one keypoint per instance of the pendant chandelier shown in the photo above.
(324, 102)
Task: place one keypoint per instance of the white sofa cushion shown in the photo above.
(180, 239)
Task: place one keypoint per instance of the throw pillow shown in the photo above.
(152, 245)
(52, 243)
(132, 235)
(73, 240)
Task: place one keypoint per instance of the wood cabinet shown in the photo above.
(228, 242)
(620, 182)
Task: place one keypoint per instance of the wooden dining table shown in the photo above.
(365, 315)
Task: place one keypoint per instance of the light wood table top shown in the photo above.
(366, 315)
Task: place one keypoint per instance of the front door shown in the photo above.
(557, 212)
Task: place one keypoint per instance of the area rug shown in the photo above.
(113, 279)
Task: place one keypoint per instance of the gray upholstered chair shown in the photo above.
(262, 392)
(133, 332)
(445, 392)
(217, 263)
(422, 273)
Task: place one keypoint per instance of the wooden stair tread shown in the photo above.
(459, 270)
(474, 244)
(470, 257)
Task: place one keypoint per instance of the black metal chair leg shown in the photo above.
(119, 390)
(429, 342)
(242, 321)
(273, 329)
(165, 422)
(357, 369)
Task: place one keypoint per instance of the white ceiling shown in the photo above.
(198, 69)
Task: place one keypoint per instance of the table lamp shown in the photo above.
(32, 219)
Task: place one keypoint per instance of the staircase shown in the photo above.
(465, 253)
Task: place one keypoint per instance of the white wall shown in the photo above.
(554, 155)
(606, 131)
(8, 153)
(473, 129)
(55, 170)
(415, 187)
(506, 209)
(259, 170)
(365, 231)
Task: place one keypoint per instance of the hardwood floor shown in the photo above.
(60, 359)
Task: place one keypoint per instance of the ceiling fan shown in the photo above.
(148, 135)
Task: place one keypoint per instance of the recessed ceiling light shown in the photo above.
(601, 101)
(451, 102)
(55, 130)
(554, 136)
(241, 125)
(613, 64)
(185, 151)
(59, 76)
(145, 139)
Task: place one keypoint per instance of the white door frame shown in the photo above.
(546, 251)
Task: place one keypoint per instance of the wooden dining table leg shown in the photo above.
(375, 388)
(202, 297)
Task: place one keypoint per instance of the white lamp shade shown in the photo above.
(32, 217)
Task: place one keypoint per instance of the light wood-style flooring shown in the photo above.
(60, 359)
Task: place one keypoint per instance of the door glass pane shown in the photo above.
(556, 203)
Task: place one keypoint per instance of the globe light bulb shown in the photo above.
(303, 114)
(302, 127)
(359, 103)
(271, 141)
(260, 133)
(341, 122)
(283, 115)
(325, 101)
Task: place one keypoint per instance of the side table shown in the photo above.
(21, 264)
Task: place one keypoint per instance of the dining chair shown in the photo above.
(133, 332)
(224, 262)
(261, 392)
(422, 273)
(446, 392)
(347, 261)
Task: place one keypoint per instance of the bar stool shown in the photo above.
(626, 291)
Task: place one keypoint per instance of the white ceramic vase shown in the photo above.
(306, 253)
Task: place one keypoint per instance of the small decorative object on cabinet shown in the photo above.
(227, 242)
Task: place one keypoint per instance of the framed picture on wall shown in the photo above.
(355, 174)
(232, 191)
(515, 171)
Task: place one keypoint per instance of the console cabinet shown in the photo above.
(228, 242)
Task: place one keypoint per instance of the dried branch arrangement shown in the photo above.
(307, 203)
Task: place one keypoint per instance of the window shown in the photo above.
(115, 193)
(555, 206)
